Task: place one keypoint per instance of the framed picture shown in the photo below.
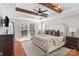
(1, 22)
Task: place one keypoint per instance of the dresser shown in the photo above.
(72, 42)
(7, 45)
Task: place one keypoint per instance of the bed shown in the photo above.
(48, 43)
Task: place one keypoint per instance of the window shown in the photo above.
(27, 29)
(32, 29)
(24, 30)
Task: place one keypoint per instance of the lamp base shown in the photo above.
(72, 34)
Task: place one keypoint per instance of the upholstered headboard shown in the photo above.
(61, 27)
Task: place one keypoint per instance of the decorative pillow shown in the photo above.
(45, 32)
(52, 32)
(57, 33)
(49, 32)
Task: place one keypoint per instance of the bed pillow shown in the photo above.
(57, 33)
(48, 32)
(53, 32)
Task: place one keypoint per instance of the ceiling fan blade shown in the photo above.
(43, 14)
(35, 10)
(44, 11)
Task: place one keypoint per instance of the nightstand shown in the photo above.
(72, 42)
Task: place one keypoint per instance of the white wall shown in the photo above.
(72, 21)
(7, 9)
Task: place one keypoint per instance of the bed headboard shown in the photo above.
(61, 27)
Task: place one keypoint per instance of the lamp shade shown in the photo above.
(72, 30)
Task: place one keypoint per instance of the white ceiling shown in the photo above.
(68, 8)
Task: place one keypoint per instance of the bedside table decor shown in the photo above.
(72, 31)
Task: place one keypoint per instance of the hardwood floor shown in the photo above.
(73, 53)
(19, 51)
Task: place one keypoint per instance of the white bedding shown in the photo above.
(56, 39)
(48, 42)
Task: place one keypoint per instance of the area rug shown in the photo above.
(32, 50)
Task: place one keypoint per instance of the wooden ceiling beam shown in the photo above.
(30, 12)
(52, 7)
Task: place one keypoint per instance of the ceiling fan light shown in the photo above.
(39, 14)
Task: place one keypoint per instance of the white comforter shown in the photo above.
(47, 41)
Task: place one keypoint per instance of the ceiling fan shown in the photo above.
(39, 11)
